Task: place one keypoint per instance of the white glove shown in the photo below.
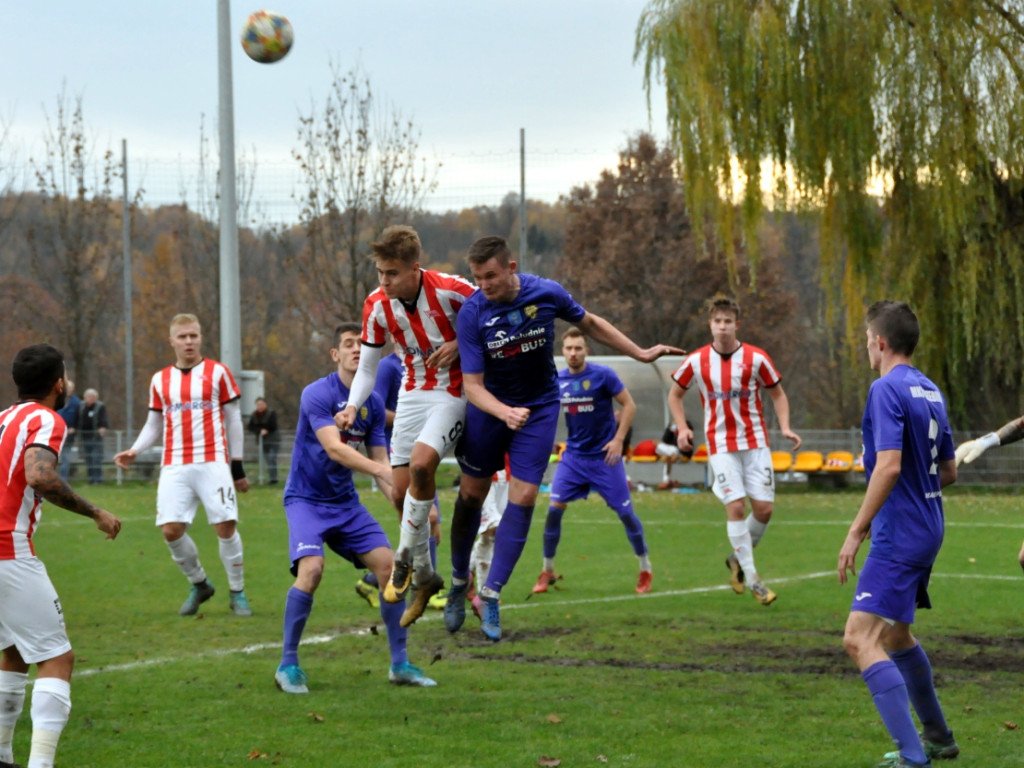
(972, 449)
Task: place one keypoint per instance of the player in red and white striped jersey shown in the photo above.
(417, 308)
(730, 376)
(194, 406)
(31, 619)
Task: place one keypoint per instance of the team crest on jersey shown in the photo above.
(515, 317)
(531, 311)
(364, 412)
(586, 384)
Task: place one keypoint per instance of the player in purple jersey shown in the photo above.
(387, 386)
(323, 508)
(968, 451)
(592, 459)
(506, 334)
(909, 459)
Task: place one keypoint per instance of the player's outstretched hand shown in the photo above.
(848, 554)
(124, 459)
(684, 440)
(345, 418)
(797, 440)
(107, 523)
(972, 449)
(651, 354)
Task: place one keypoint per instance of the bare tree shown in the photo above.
(361, 172)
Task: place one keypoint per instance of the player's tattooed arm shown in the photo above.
(1011, 432)
(42, 475)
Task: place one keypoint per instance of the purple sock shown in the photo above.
(509, 541)
(391, 613)
(297, 607)
(465, 524)
(433, 552)
(887, 688)
(371, 578)
(634, 530)
(913, 664)
(552, 531)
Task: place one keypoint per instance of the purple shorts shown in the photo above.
(348, 531)
(482, 448)
(891, 590)
(576, 476)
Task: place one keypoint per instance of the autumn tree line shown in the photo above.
(643, 245)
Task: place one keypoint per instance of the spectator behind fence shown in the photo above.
(263, 424)
(92, 426)
(70, 415)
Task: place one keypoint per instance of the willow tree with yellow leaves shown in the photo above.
(900, 122)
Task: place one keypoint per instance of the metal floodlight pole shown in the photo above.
(522, 198)
(230, 299)
(126, 239)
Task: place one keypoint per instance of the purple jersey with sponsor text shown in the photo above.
(314, 476)
(512, 343)
(587, 404)
(905, 411)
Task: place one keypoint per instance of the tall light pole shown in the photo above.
(230, 298)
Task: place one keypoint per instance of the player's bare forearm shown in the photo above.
(42, 476)
(1011, 432)
(947, 472)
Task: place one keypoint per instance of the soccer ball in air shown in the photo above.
(267, 37)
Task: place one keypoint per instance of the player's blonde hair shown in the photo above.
(184, 318)
(573, 332)
(398, 242)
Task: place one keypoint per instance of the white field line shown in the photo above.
(328, 638)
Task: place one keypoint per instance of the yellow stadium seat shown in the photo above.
(838, 461)
(808, 461)
(858, 463)
(700, 455)
(781, 461)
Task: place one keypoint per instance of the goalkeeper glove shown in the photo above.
(972, 449)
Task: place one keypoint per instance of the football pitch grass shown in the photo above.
(588, 674)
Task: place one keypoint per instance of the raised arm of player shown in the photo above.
(513, 417)
(147, 438)
(42, 476)
(1010, 432)
(601, 330)
(362, 385)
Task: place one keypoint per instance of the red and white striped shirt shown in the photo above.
(730, 389)
(21, 426)
(192, 402)
(420, 330)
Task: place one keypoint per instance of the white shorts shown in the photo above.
(183, 486)
(743, 473)
(31, 618)
(495, 503)
(433, 417)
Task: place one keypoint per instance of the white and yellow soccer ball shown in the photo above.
(267, 37)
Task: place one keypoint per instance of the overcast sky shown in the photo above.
(470, 73)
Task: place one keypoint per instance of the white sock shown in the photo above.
(756, 528)
(488, 592)
(739, 536)
(234, 563)
(51, 705)
(186, 555)
(645, 562)
(483, 553)
(416, 514)
(423, 568)
(549, 564)
(12, 701)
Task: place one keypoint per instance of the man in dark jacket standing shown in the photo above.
(92, 426)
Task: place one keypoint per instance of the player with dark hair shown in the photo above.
(194, 406)
(730, 376)
(323, 508)
(593, 456)
(506, 340)
(417, 308)
(909, 459)
(32, 627)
